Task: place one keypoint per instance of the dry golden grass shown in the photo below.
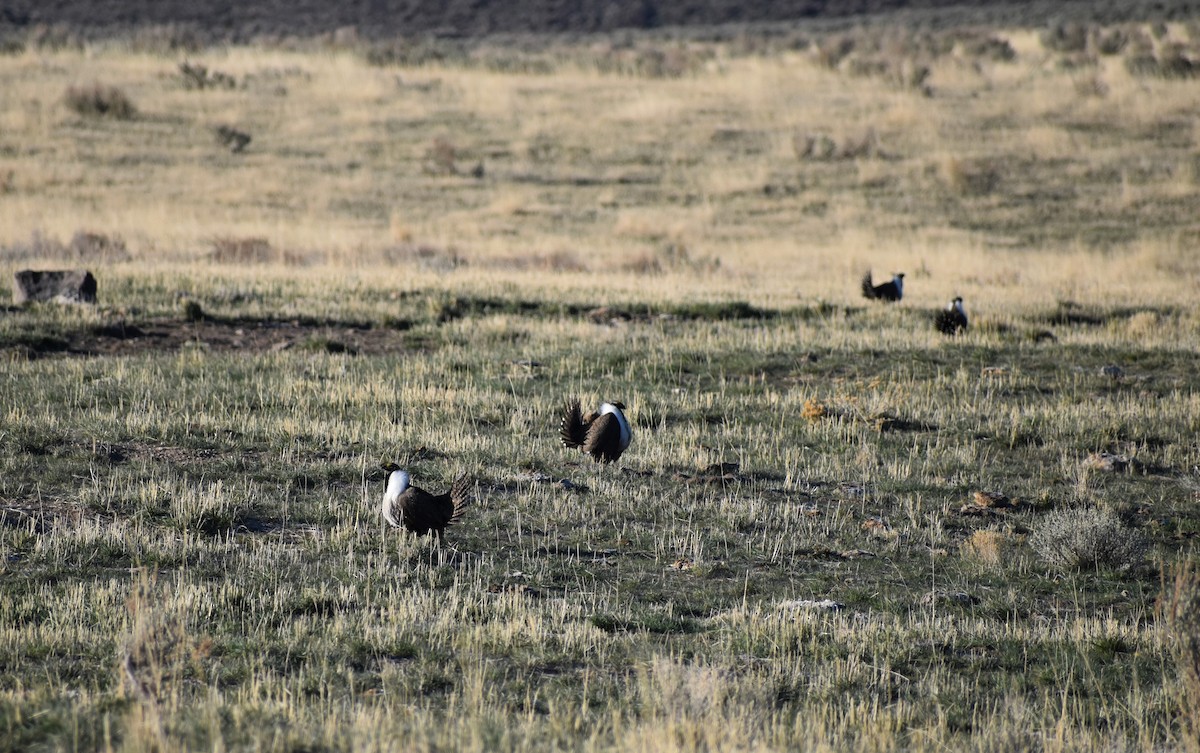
(609, 166)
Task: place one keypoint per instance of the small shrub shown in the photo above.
(1087, 539)
(970, 177)
(990, 48)
(231, 137)
(1065, 37)
(1112, 42)
(198, 76)
(99, 101)
(1174, 62)
(830, 52)
(642, 264)
(819, 147)
(229, 250)
(11, 45)
(87, 246)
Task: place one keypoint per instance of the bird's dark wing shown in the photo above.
(603, 441)
(424, 511)
(571, 428)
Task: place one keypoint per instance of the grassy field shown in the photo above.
(420, 261)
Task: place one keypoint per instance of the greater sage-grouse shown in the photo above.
(413, 508)
(952, 319)
(888, 291)
(603, 434)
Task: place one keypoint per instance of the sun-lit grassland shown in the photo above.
(210, 515)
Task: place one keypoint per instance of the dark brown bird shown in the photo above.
(413, 508)
(952, 319)
(603, 434)
(888, 291)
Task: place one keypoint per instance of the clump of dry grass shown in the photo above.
(99, 101)
(814, 409)
(988, 547)
(1087, 539)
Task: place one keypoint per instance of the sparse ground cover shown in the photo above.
(421, 263)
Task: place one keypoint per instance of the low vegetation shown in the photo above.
(836, 527)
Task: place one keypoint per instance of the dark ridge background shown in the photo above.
(236, 20)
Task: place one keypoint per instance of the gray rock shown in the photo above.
(60, 286)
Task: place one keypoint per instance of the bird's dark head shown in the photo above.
(389, 466)
(899, 275)
(617, 404)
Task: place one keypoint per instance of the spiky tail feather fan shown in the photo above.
(460, 496)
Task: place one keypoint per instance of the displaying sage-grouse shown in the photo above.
(604, 434)
(888, 291)
(952, 319)
(411, 507)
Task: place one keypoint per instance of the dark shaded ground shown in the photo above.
(221, 335)
(217, 19)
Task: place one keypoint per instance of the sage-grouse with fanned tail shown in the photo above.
(604, 434)
(413, 508)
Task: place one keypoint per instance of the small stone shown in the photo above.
(1112, 371)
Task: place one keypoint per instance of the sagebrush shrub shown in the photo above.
(1087, 539)
(99, 101)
